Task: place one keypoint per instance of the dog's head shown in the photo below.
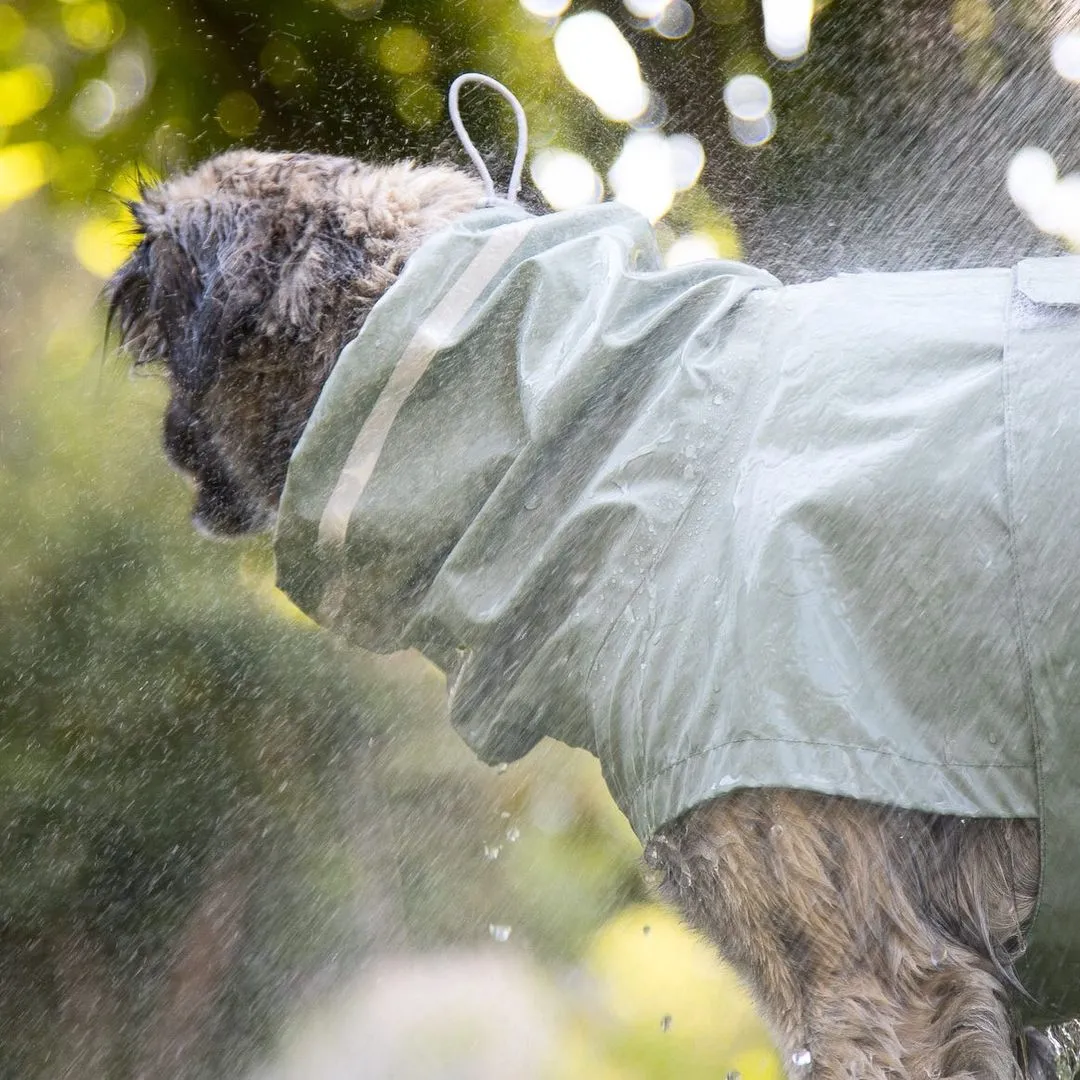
(251, 273)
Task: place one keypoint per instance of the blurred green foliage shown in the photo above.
(174, 735)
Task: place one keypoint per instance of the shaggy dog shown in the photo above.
(879, 942)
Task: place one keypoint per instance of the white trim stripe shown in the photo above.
(430, 336)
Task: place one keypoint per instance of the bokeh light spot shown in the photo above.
(1065, 55)
(676, 20)
(642, 176)
(23, 91)
(282, 62)
(565, 179)
(748, 97)
(128, 181)
(1031, 178)
(1052, 204)
(94, 106)
(753, 132)
(715, 239)
(687, 160)
(24, 167)
(646, 9)
(972, 20)
(92, 24)
(359, 9)
(787, 27)
(102, 243)
(169, 141)
(419, 104)
(691, 248)
(656, 114)
(238, 113)
(403, 50)
(600, 63)
(545, 9)
(12, 28)
(129, 74)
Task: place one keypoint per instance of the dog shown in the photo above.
(879, 942)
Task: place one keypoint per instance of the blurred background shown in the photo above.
(231, 847)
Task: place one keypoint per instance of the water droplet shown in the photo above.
(513, 834)
(491, 851)
(777, 830)
(501, 767)
(505, 814)
(938, 955)
(801, 1059)
(665, 1023)
(532, 503)
(498, 932)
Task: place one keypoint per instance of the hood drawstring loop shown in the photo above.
(512, 189)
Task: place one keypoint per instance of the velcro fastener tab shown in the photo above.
(1050, 281)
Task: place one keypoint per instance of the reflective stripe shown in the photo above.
(429, 338)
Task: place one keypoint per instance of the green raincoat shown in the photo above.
(720, 532)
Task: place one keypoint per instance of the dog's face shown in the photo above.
(251, 274)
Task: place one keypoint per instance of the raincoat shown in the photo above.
(720, 532)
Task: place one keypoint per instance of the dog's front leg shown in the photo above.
(826, 907)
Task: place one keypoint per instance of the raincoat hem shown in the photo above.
(740, 763)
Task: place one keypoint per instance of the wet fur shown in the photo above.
(252, 272)
(879, 942)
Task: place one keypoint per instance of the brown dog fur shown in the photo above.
(879, 942)
(252, 273)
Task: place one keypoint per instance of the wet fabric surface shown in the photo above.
(719, 532)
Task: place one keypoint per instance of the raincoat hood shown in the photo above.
(719, 532)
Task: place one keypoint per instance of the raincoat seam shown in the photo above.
(661, 551)
(814, 742)
(617, 789)
(1022, 643)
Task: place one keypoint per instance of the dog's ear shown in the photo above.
(182, 298)
(199, 282)
(127, 293)
(220, 319)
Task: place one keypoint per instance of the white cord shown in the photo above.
(514, 186)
